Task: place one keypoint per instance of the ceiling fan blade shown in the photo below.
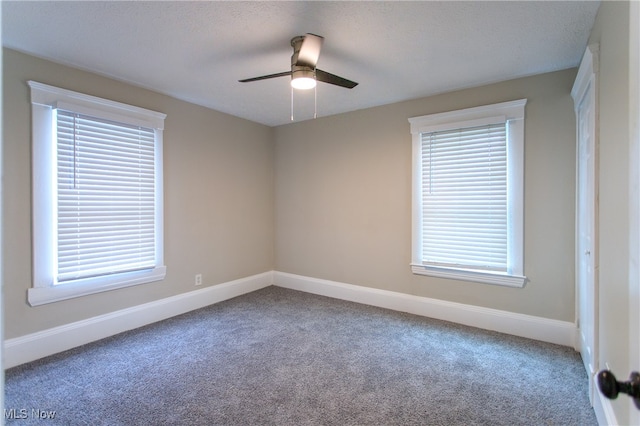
(327, 77)
(265, 77)
(310, 50)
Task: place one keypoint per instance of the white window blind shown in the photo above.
(464, 198)
(105, 197)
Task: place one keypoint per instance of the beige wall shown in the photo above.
(333, 195)
(343, 198)
(611, 31)
(218, 181)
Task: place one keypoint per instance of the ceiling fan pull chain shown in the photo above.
(315, 102)
(291, 103)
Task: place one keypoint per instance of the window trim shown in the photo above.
(44, 99)
(512, 113)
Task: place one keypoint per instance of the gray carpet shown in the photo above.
(282, 357)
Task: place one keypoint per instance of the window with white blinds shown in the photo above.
(464, 197)
(468, 194)
(97, 194)
(105, 199)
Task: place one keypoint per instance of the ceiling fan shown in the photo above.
(304, 74)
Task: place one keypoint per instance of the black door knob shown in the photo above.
(610, 387)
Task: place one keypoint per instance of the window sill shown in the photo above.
(42, 295)
(484, 277)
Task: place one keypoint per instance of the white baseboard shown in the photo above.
(602, 407)
(48, 342)
(37, 345)
(543, 329)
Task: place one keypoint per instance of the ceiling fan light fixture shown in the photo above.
(303, 79)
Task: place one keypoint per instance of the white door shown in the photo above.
(634, 168)
(584, 94)
(586, 249)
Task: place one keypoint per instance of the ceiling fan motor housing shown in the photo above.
(301, 71)
(296, 69)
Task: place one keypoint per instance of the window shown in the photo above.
(97, 195)
(468, 194)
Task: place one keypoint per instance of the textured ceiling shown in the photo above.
(197, 51)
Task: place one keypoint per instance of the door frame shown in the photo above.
(586, 85)
(634, 197)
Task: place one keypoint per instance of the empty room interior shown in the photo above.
(334, 233)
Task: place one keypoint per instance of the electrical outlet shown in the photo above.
(198, 279)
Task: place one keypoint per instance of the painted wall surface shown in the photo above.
(343, 198)
(611, 31)
(218, 193)
(333, 195)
